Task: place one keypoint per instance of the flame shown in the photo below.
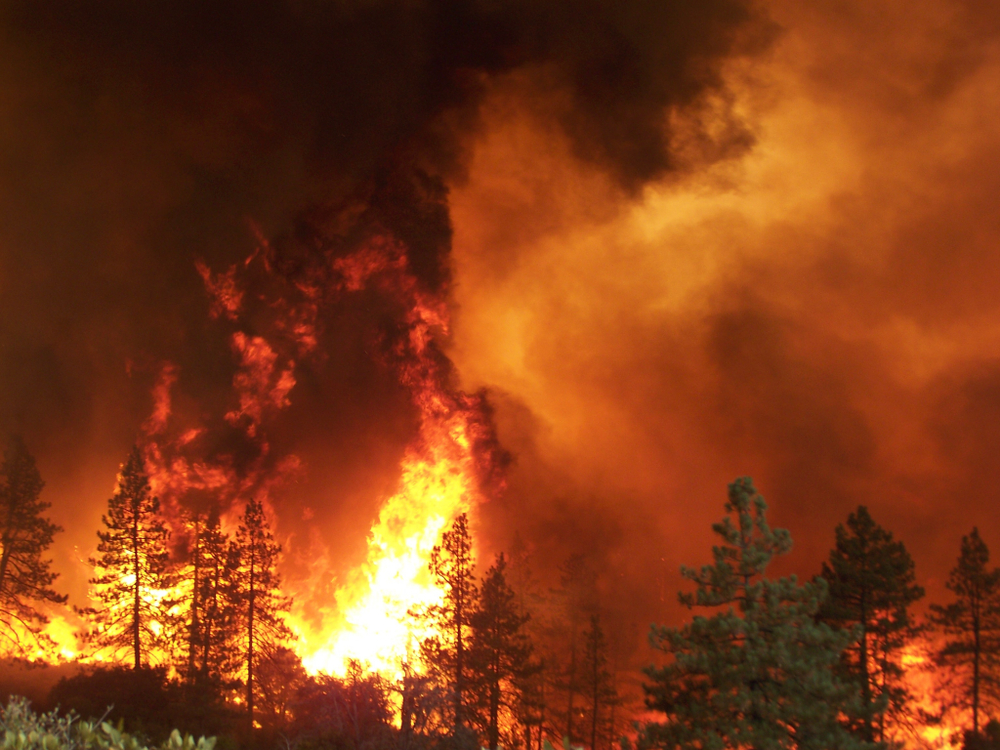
(440, 480)
(449, 468)
(919, 677)
(376, 628)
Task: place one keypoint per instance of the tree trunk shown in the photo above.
(250, 645)
(571, 686)
(136, 586)
(494, 729)
(976, 650)
(595, 707)
(863, 659)
(459, 659)
(195, 593)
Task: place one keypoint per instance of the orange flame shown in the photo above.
(439, 482)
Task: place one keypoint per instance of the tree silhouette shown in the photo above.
(598, 683)
(871, 588)
(133, 575)
(576, 593)
(260, 605)
(971, 625)
(213, 655)
(451, 565)
(499, 650)
(25, 536)
(758, 673)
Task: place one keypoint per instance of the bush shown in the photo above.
(23, 729)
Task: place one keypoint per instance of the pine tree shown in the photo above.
(970, 654)
(25, 535)
(872, 585)
(212, 658)
(451, 564)
(133, 570)
(758, 673)
(499, 649)
(577, 583)
(597, 680)
(261, 607)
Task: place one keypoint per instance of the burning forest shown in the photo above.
(372, 374)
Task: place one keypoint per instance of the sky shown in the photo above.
(678, 246)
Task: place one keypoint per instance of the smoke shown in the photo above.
(149, 150)
(818, 313)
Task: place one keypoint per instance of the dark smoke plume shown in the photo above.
(140, 138)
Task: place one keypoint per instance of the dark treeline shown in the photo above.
(192, 635)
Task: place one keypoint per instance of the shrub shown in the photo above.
(23, 729)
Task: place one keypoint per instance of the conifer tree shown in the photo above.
(261, 607)
(597, 680)
(451, 564)
(499, 649)
(970, 654)
(133, 570)
(532, 688)
(213, 658)
(577, 583)
(25, 536)
(872, 585)
(758, 673)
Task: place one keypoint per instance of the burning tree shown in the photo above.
(260, 605)
(872, 585)
(133, 578)
(971, 626)
(759, 673)
(25, 535)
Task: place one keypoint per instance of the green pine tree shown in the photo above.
(25, 535)
(758, 672)
(133, 571)
(970, 654)
(871, 588)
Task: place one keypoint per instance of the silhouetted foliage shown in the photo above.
(969, 658)
(988, 739)
(143, 698)
(872, 585)
(133, 569)
(260, 604)
(213, 652)
(446, 654)
(25, 536)
(758, 673)
(499, 652)
(597, 683)
(350, 713)
(577, 598)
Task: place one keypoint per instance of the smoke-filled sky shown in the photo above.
(681, 243)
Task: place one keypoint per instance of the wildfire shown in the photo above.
(376, 627)
(440, 480)
(446, 471)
